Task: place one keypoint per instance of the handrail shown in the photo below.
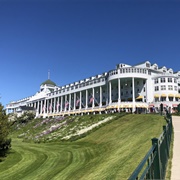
(134, 175)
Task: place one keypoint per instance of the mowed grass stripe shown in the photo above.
(111, 152)
(17, 170)
(49, 167)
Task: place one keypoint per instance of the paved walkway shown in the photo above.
(175, 172)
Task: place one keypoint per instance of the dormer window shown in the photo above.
(147, 65)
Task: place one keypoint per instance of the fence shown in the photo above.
(154, 164)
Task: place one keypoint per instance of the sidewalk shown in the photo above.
(175, 171)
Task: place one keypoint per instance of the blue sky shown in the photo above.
(78, 39)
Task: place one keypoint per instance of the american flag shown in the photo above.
(91, 100)
(67, 103)
(57, 105)
(44, 108)
(50, 107)
(77, 102)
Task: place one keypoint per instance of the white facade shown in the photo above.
(144, 85)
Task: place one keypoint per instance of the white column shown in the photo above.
(51, 106)
(80, 102)
(74, 101)
(110, 100)
(61, 103)
(54, 109)
(57, 105)
(100, 96)
(119, 92)
(44, 107)
(86, 98)
(69, 102)
(65, 107)
(41, 107)
(133, 93)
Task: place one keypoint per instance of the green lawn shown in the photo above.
(111, 152)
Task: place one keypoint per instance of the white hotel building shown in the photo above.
(134, 88)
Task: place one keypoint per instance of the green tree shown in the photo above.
(4, 129)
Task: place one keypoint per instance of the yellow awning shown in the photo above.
(163, 95)
(139, 97)
(121, 105)
(170, 95)
(177, 95)
(156, 95)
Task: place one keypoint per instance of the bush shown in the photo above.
(5, 145)
(26, 116)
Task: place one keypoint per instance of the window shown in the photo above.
(175, 88)
(156, 88)
(163, 98)
(163, 87)
(156, 81)
(163, 80)
(144, 81)
(175, 80)
(170, 87)
(164, 70)
(169, 79)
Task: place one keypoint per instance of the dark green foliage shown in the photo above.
(5, 143)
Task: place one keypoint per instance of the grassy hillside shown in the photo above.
(112, 151)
